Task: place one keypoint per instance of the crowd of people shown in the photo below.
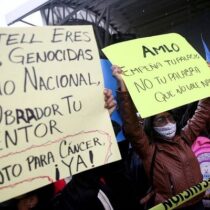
(157, 163)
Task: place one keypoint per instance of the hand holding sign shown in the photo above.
(110, 103)
(161, 72)
(52, 118)
(117, 73)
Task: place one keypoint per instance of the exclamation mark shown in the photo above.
(57, 173)
(91, 157)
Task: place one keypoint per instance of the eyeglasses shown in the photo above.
(163, 119)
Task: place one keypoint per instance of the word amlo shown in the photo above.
(160, 49)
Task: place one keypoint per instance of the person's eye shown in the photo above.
(160, 119)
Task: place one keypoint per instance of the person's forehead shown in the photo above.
(162, 114)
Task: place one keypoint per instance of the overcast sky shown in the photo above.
(10, 5)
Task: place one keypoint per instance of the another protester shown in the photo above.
(175, 166)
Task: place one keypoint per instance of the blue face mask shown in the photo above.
(167, 131)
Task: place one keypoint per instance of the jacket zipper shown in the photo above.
(172, 188)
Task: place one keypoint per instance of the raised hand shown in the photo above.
(117, 73)
(110, 102)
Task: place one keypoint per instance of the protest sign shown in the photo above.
(52, 118)
(161, 72)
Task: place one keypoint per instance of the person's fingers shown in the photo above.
(110, 102)
(147, 198)
(108, 97)
(116, 69)
(112, 107)
(105, 90)
(111, 110)
(107, 93)
(117, 72)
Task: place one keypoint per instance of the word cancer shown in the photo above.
(67, 149)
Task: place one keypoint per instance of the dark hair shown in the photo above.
(188, 113)
(148, 128)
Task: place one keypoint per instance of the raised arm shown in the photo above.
(198, 122)
(132, 127)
